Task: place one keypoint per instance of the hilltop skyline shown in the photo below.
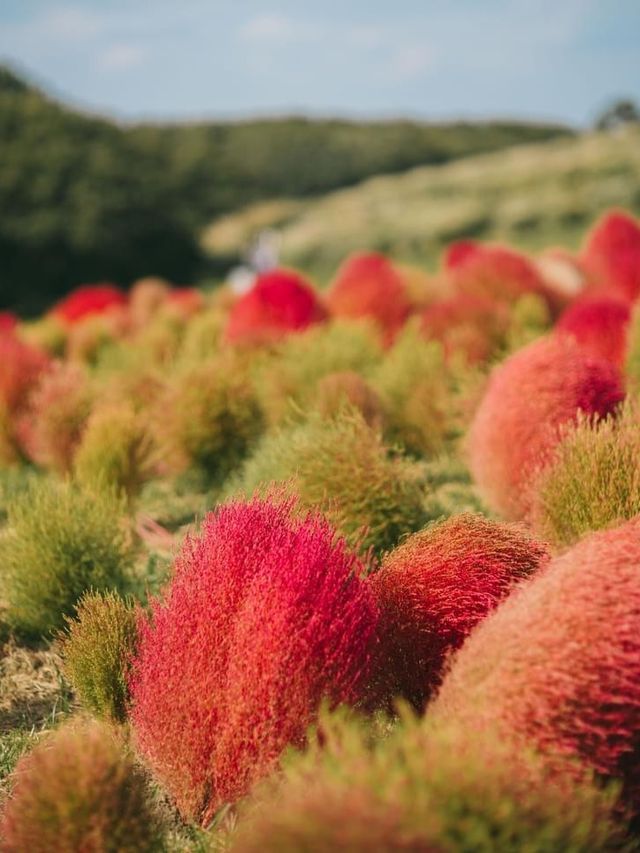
(530, 59)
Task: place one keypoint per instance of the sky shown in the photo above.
(174, 59)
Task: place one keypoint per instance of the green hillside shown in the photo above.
(84, 198)
(532, 196)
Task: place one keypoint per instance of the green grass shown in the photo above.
(530, 195)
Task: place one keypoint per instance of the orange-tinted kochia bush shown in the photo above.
(368, 285)
(266, 614)
(599, 325)
(557, 665)
(280, 302)
(436, 586)
(518, 423)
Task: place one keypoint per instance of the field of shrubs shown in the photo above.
(352, 567)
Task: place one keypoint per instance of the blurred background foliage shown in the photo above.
(85, 199)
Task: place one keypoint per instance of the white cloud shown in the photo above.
(411, 61)
(70, 24)
(122, 56)
(269, 28)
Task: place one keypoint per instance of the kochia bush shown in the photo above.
(341, 466)
(611, 254)
(89, 300)
(78, 790)
(592, 480)
(529, 399)
(599, 325)
(280, 302)
(61, 540)
(369, 286)
(557, 665)
(266, 614)
(420, 789)
(436, 586)
(97, 648)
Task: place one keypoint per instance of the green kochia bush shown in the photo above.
(287, 380)
(412, 385)
(593, 481)
(420, 789)
(341, 466)
(97, 648)
(77, 790)
(209, 417)
(61, 540)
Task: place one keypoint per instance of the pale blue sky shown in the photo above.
(550, 59)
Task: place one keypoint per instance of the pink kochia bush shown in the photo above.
(519, 421)
(496, 272)
(266, 615)
(599, 325)
(436, 586)
(557, 666)
(280, 302)
(611, 254)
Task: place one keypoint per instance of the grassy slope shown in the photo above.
(532, 196)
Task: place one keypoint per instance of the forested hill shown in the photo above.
(86, 198)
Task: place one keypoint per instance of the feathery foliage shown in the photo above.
(62, 539)
(97, 647)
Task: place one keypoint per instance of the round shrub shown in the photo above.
(412, 385)
(436, 586)
(611, 253)
(347, 389)
(266, 615)
(497, 273)
(8, 322)
(146, 297)
(592, 480)
(342, 467)
(77, 790)
(280, 302)
(557, 665)
(208, 418)
(458, 252)
(89, 300)
(599, 325)
(529, 398)
(57, 415)
(61, 540)
(97, 647)
(369, 286)
(116, 449)
(421, 789)
(21, 366)
(472, 325)
(288, 381)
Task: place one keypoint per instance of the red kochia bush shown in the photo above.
(611, 253)
(8, 321)
(497, 273)
(599, 325)
(472, 325)
(87, 300)
(368, 285)
(436, 586)
(518, 422)
(21, 365)
(279, 302)
(459, 252)
(557, 666)
(265, 615)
